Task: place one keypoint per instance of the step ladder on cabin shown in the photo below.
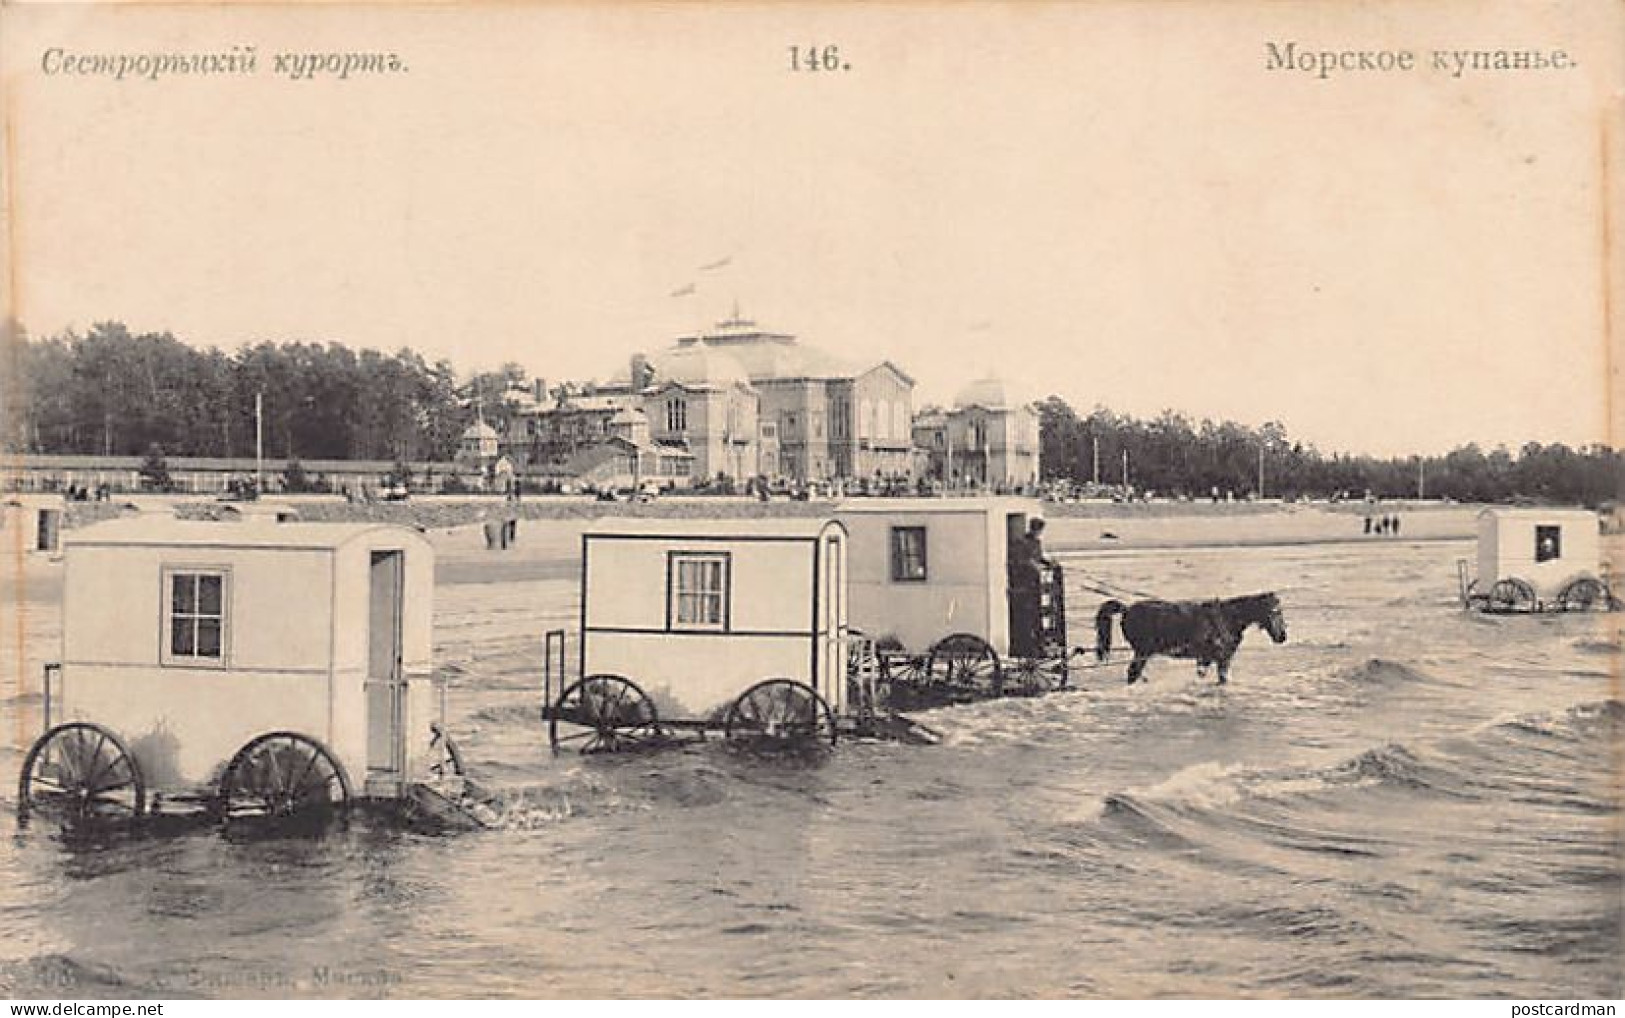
(1052, 610)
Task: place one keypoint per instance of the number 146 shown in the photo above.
(817, 58)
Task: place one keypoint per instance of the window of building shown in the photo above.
(908, 554)
(1548, 543)
(195, 616)
(676, 415)
(697, 596)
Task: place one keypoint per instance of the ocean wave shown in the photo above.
(506, 714)
(1382, 672)
(1591, 720)
(1593, 645)
(1213, 787)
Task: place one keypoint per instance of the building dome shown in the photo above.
(990, 392)
(698, 366)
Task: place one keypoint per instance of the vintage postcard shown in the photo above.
(800, 500)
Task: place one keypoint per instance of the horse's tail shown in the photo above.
(1103, 627)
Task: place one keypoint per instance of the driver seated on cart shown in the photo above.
(1026, 575)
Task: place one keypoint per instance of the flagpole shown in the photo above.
(259, 442)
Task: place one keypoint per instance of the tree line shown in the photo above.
(111, 391)
(1173, 455)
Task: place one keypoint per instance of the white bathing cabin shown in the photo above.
(31, 523)
(698, 611)
(1548, 549)
(926, 568)
(189, 639)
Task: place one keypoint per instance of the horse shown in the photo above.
(1209, 631)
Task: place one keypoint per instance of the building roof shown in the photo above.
(595, 404)
(990, 393)
(989, 504)
(481, 431)
(786, 527)
(1568, 514)
(698, 366)
(157, 531)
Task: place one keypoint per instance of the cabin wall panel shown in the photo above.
(954, 596)
(696, 676)
(183, 725)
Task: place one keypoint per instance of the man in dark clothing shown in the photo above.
(1026, 573)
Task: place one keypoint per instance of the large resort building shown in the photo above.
(740, 401)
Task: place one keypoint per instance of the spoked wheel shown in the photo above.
(283, 775)
(604, 714)
(81, 772)
(780, 713)
(1033, 676)
(966, 665)
(905, 682)
(1584, 593)
(1512, 594)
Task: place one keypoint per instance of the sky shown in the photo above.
(1116, 203)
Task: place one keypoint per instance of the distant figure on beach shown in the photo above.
(1396, 524)
(1368, 524)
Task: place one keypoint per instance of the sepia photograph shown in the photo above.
(1107, 500)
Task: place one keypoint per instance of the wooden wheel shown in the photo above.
(965, 665)
(81, 771)
(282, 775)
(1512, 594)
(1032, 676)
(780, 713)
(604, 714)
(1583, 593)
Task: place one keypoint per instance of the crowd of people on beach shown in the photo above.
(1383, 525)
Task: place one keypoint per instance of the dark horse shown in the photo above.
(1209, 631)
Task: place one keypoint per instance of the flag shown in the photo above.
(724, 263)
(683, 291)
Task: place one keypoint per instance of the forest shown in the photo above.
(1173, 455)
(111, 391)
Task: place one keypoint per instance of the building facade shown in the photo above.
(987, 440)
(818, 417)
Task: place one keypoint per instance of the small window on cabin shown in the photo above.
(195, 620)
(699, 591)
(1548, 543)
(908, 554)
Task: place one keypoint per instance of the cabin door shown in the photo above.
(832, 625)
(50, 524)
(385, 747)
(1020, 604)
